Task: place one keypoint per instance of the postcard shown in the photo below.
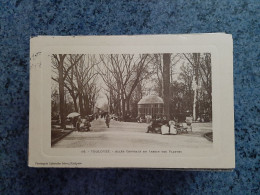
(140, 101)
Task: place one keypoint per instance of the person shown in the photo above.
(148, 118)
(151, 127)
(78, 123)
(87, 124)
(107, 120)
(74, 122)
(173, 129)
(142, 119)
(189, 122)
(155, 126)
(164, 120)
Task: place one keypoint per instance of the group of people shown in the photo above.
(81, 124)
(149, 118)
(165, 126)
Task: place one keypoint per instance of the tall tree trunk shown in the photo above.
(194, 104)
(123, 104)
(128, 104)
(73, 95)
(111, 103)
(119, 108)
(123, 108)
(61, 91)
(166, 84)
(196, 59)
(81, 104)
(87, 105)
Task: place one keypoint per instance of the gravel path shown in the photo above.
(132, 135)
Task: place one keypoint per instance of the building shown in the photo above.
(151, 105)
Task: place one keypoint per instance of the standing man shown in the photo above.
(107, 120)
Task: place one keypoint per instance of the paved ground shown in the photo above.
(132, 135)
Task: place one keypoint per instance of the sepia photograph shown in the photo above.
(152, 101)
(131, 100)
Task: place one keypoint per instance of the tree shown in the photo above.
(58, 63)
(201, 68)
(112, 89)
(194, 60)
(186, 77)
(206, 78)
(179, 101)
(141, 72)
(166, 83)
(90, 94)
(54, 103)
(84, 80)
(77, 74)
(73, 60)
(70, 86)
(205, 73)
(157, 70)
(122, 73)
(136, 97)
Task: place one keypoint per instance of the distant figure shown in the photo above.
(87, 124)
(189, 122)
(78, 123)
(148, 118)
(74, 121)
(154, 127)
(96, 116)
(107, 120)
(173, 129)
(140, 119)
(164, 120)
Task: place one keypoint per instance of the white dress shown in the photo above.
(173, 130)
(165, 129)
